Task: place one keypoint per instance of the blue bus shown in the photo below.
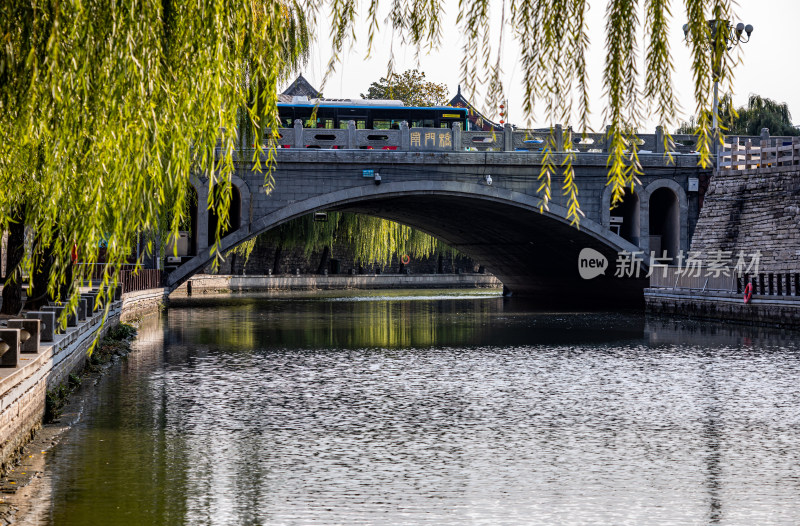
(368, 114)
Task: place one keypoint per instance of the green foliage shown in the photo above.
(74, 381)
(54, 402)
(244, 250)
(107, 109)
(369, 239)
(760, 112)
(121, 332)
(409, 87)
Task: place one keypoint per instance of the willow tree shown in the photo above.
(108, 108)
(759, 113)
(368, 239)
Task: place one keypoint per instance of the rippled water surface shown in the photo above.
(435, 410)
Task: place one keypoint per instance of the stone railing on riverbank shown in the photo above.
(456, 139)
(23, 388)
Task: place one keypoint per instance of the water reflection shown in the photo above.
(383, 322)
(437, 411)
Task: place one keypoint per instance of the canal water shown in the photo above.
(433, 409)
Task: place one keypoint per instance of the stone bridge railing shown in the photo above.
(754, 152)
(455, 139)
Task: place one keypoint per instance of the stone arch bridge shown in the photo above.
(499, 225)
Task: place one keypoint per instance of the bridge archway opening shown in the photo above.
(664, 223)
(534, 254)
(232, 222)
(625, 219)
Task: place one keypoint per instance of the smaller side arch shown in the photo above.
(640, 227)
(244, 193)
(683, 208)
(204, 215)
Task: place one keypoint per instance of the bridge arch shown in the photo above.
(667, 210)
(630, 212)
(239, 211)
(531, 252)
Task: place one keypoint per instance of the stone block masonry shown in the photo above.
(751, 210)
(208, 284)
(772, 311)
(748, 211)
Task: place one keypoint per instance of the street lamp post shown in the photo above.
(732, 36)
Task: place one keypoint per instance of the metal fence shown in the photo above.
(95, 271)
(764, 283)
(683, 278)
(142, 279)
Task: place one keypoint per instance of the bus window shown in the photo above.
(448, 123)
(360, 123)
(386, 124)
(422, 123)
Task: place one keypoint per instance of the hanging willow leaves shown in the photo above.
(367, 239)
(107, 109)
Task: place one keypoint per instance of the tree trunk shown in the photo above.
(12, 290)
(323, 261)
(64, 290)
(37, 295)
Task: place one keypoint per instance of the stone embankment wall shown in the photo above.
(717, 305)
(751, 210)
(747, 211)
(23, 389)
(204, 283)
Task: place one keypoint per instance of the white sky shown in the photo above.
(767, 66)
